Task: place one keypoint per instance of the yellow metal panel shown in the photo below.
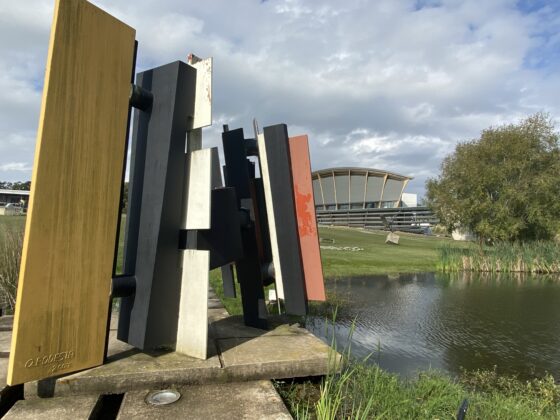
(66, 268)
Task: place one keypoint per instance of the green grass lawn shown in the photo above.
(414, 253)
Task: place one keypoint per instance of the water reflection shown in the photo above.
(417, 321)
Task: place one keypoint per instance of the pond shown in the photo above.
(411, 322)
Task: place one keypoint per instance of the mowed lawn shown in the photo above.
(414, 253)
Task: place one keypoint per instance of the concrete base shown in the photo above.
(247, 400)
(236, 353)
(243, 357)
(69, 408)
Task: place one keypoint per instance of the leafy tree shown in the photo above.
(503, 186)
(15, 185)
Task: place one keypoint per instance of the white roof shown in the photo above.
(14, 192)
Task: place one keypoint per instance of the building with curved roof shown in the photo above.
(370, 198)
(357, 188)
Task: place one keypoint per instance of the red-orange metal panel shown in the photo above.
(307, 223)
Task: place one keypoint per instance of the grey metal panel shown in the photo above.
(157, 268)
(328, 189)
(357, 187)
(317, 193)
(374, 187)
(393, 189)
(341, 182)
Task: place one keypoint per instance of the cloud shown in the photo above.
(15, 166)
(392, 84)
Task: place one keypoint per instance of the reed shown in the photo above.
(542, 257)
(362, 390)
(11, 242)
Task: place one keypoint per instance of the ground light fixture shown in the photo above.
(162, 397)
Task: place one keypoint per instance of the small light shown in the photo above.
(163, 397)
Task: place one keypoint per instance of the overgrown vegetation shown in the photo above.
(503, 186)
(365, 391)
(11, 243)
(362, 390)
(535, 257)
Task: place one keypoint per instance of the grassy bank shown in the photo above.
(366, 391)
(529, 257)
(357, 252)
(415, 253)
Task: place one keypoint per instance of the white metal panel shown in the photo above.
(204, 174)
(203, 96)
(271, 221)
(192, 329)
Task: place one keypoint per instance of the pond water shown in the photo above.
(411, 322)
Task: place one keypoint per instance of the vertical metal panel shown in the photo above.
(158, 264)
(278, 186)
(67, 258)
(192, 331)
(306, 221)
(248, 268)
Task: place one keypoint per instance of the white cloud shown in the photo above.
(15, 166)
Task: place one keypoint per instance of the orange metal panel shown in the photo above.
(307, 224)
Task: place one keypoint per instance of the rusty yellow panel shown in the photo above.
(65, 278)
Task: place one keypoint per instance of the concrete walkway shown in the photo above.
(234, 382)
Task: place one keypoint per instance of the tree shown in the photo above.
(503, 186)
(26, 186)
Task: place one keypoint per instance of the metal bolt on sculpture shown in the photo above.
(181, 223)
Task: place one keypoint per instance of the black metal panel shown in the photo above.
(228, 281)
(237, 175)
(261, 227)
(282, 194)
(156, 193)
(237, 166)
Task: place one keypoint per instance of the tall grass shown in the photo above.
(361, 390)
(531, 257)
(11, 243)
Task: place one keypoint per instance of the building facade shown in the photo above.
(357, 188)
(371, 198)
(19, 197)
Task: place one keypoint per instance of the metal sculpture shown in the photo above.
(181, 220)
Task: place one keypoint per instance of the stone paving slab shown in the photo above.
(5, 343)
(245, 400)
(289, 353)
(137, 370)
(285, 352)
(6, 322)
(69, 408)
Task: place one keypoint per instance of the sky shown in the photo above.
(385, 84)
